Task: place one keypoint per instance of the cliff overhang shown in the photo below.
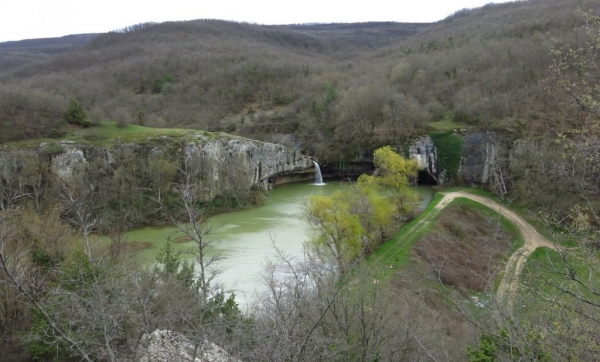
(226, 163)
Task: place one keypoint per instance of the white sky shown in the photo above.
(27, 19)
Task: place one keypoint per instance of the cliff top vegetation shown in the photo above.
(107, 133)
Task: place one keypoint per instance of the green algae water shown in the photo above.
(246, 239)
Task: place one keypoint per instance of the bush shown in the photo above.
(53, 149)
(449, 150)
(55, 133)
(76, 114)
(159, 84)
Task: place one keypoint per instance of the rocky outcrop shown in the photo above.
(225, 163)
(243, 164)
(70, 164)
(168, 346)
(486, 158)
(424, 151)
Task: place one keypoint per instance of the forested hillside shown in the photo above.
(14, 54)
(342, 89)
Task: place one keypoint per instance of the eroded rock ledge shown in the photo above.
(169, 346)
(226, 163)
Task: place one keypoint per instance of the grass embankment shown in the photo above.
(463, 243)
(107, 133)
(540, 256)
(546, 268)
(395, 253)
(554, 235)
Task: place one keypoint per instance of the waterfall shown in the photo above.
(318, 175)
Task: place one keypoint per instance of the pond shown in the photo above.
(246, 238)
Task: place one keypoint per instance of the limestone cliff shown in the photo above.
(486, 158)
(425, 153)
(226, 163)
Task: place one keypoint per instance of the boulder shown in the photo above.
(169, 346)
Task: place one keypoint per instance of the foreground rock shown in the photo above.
(167, 346)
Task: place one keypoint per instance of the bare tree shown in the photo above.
(310, 314)
(189, 219)
(11, 190)
(80, 204)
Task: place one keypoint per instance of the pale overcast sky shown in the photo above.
(26, 19)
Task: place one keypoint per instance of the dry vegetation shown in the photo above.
(458, 258)
(465, 249)
(342, 89)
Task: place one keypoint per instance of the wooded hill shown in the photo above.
(342, 89)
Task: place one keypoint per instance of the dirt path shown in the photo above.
(531, 241)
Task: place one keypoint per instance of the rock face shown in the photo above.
(486, 157)
(242, 164)
(168, 346)
(425, 153)
(225, 163)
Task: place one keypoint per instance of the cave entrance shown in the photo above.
(425, 178)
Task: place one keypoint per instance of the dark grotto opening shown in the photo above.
(425, 178)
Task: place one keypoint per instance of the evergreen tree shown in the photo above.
(76, 114)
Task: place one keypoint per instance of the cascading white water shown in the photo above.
(318, 175)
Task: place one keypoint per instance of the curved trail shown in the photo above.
(531, 241)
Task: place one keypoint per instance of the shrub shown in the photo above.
(76, 114)
(53, 149)
(449, 150)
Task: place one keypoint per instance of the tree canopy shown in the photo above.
(393, 175)
(353, 221)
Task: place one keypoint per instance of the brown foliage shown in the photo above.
(464, 250)
(342, 89)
